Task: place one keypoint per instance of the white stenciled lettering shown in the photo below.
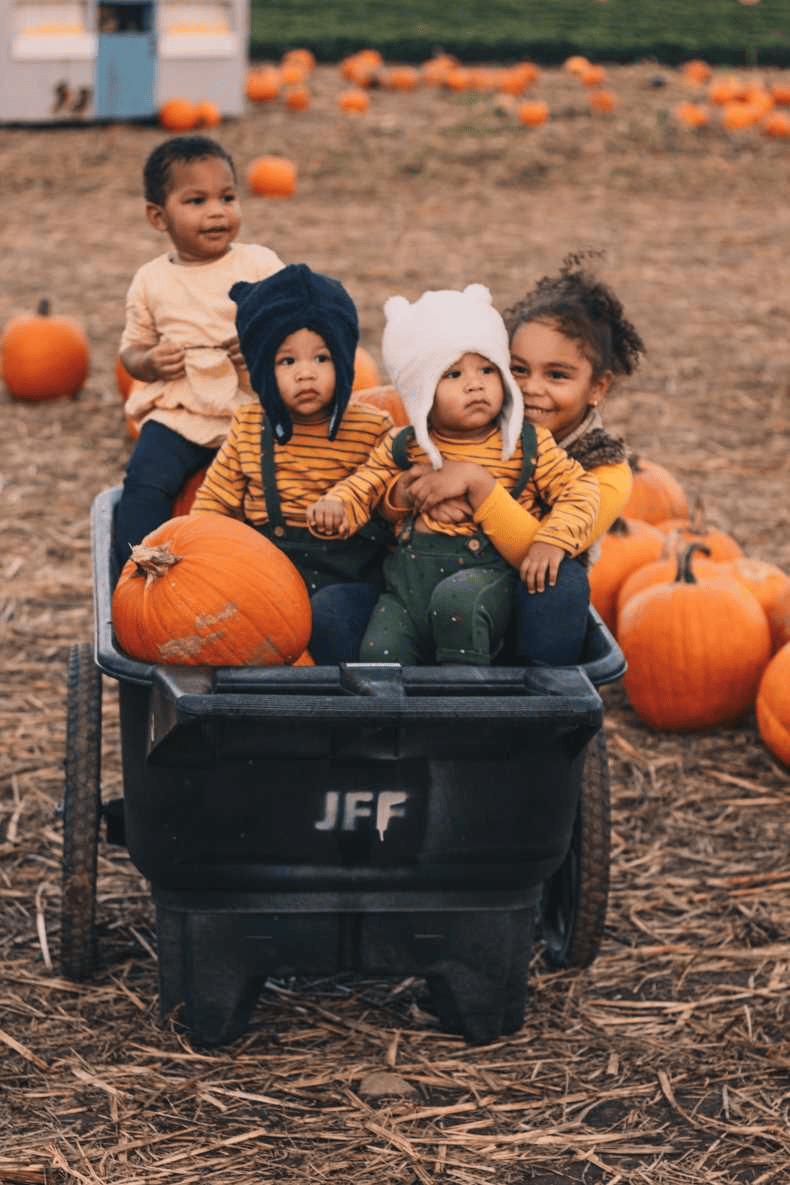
(390, 806)
(343, 809)
(331, 812)
(356, 805)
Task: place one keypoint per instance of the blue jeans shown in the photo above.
(340, 615)
(160, 464)
(551, 626)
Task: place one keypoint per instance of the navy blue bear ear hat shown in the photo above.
(269, 310)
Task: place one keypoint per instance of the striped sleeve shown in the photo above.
(363, 489)
(226, 486)
(572, 494)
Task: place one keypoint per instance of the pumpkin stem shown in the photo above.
(154, 562)
(635, 463)
(44, 307)
(684, 572)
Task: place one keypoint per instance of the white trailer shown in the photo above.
(108, 60)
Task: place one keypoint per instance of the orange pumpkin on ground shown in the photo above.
(305, 659)
(627, 545)
(178, 115)
(696, 71)
(263, 84)
(402, 78)
(436, 69)
(592, 74)
(208, 115)
(602, 102)
(206, 590)
(576, 64)
(272, 176)
(293, 73)
(664, 571)
(778, 614)
(297, 98)
(656, 494)
(385, 398)
(766, 582)
(43, 357)
(696, 651)
(354, 101)
(776, 124)
(533, 113)
(772, 707)
(694, 530)
(301, 57)
(692, 115)
(182, 503)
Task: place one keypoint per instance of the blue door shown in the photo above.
(125, 60)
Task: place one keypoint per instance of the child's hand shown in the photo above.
(452, 510)
(328, 516)
(456, 479)
(233, 350)
(541, 563)
(165, 361)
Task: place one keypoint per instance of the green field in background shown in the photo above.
(723, 31)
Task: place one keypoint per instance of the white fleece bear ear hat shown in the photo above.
(422, 339)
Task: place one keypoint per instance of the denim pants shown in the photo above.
(551, 626)
(160, 464)
(340, 615)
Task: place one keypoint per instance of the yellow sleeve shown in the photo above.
(509, 525)
(362, 491)
(223, 488)
(512, 528)
(616, 482)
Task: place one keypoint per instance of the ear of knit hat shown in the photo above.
(422, 339)
(270, 310)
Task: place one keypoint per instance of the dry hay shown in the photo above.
(667, 1062)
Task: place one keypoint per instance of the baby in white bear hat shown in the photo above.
(450, 580)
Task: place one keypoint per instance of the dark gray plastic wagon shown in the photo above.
(367, 818)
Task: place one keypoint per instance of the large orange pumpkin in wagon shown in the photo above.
(206, 590)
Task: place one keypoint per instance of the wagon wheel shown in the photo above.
(81, 806)
(573, 902)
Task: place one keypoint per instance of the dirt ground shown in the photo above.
(666, 1063)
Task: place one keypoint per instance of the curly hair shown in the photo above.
(584, 309)
(157, 168)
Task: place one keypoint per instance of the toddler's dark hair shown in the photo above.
(156, 170)
(585, 309)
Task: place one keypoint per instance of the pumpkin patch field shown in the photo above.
(666, 1061)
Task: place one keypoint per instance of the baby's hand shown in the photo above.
(541, 562)
(457, 480)
(328, 516)
(452, 510)
(165, 361)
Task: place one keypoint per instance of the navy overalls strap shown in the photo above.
(271, 494)
(529, 455)
(529, 449)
